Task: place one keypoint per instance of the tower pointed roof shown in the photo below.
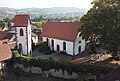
(21, 20)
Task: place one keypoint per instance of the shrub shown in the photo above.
(63, 52)
(116, 58)
(43, 48)
(47, 64)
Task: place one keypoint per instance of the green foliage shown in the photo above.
(82, 77)
(102, 22)
(116, 57)
(47, 64)
(3, 24)
(43, 48)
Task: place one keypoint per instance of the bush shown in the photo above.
(116, 58)
(63, 52)
(43, 48)
(47, 64)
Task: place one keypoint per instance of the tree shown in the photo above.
(37, 24)
(3, 24)
(8, 21)
(102, 22)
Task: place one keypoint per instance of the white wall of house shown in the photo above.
(69, 45)
(35, 39)
(78, 43)
(2, 65)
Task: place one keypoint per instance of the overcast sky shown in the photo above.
(86, 4)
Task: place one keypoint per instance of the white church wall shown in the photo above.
(69, 45)
(22, 39)
(78, 43)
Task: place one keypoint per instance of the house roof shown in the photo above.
(61, 30)
(33, 34)
(5, 52)
(1, 29)
(113, 76)
(5, 35)
(36, 30)
(21, 20)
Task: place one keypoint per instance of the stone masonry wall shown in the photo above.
(57, 73)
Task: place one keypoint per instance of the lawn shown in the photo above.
(13, 75)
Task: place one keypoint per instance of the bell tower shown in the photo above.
(22, 26)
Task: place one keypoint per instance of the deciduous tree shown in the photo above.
(102, 22)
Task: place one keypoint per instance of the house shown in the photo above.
(22, 26)
(7, 35)
(8, 38)
(64, 36)
(1, 29)
(5, 54)
(36, 32)
(113, 76)
(34, 38)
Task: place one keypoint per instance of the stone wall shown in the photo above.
(57, 73)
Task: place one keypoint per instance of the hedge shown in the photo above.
(47, 64)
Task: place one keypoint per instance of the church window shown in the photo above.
(64, 45)
(21, 32)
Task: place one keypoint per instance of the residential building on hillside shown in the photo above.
(34, 38)
(7, 35)
(5, 54)
(8, 38)
(63, 36)
(36, 32)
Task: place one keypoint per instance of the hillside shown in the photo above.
(10, 12)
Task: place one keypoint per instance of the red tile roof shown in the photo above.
(61, 30)
(21, 20)
(0, 29)
(5, 35)
(5, 52)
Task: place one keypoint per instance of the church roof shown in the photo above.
(61, 30)
(21, 20)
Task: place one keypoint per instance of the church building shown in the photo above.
(64, 36)
(22, 26)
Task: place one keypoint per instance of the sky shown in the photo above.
(19, 4)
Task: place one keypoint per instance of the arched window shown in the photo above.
(79, 49)
(58, 48)
(52, 41)
(21, 32)
(80, 35)
(47, 40)
(20, 50)
(64, 45)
